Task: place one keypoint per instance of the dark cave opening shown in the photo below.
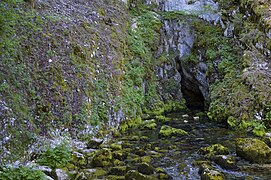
(193, 97)
(191, 91)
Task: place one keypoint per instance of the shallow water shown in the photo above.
(179, 153)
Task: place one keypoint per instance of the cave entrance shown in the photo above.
(191, 91)
(193, 96)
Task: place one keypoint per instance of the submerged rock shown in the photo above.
(253, 150)
(167, 131)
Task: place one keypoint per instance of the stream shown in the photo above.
(178, 154)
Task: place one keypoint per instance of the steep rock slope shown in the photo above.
(63, 65)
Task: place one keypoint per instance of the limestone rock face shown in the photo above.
(253, 150)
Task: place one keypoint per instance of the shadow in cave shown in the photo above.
(191, 89)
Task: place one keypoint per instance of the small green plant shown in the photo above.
(259, 129)
(20, 173)
(56, 157)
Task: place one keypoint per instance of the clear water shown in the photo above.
(178, 161)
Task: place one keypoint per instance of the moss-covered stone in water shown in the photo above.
(118, 163)
(163, 176)
(253, 150)
(162, 119)
(144, 138)
(102, 158)
(119, 170)
(149, 124)
(120, 155)
(139, 151)
(159, 170)
(145, 168)
(132, 175)
(207, 172)
(115, 146)
(112, 177)
(146, 159)
(216, 149)
(167, 131)
(94, 143)
(226, 161)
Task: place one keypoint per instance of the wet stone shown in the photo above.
(167, 131)
(116, 146)
(119, 170)
(216, 149)
(94, 143)
(113, 177)
(226, 162)
(120, 155)
(253, 150)
(102, 158)
(133, 175)
(207, 172)
(145, 168)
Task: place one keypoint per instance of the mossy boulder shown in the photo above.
(211, 151)
(226, 161)
(120, 155)
(146, 159)
(90, 174)
(149, 124)
(102, 158)
(207, 172)
(162, 119)
(145, 168)
(164, 176)
(160, 170)
(113, 177)
(139, 151)
(116, 146)
(167, 131)
(253, 150)
(119, 170)
(135, 175)
(94, 143)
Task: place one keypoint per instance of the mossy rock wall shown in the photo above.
(243, 97)
(64, 66)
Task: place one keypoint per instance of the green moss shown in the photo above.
(253, 150)
(146, 159)
(112, 177)
(118, 170)
(115, 146)
(216, 149)
(167, 131)
(151, 125)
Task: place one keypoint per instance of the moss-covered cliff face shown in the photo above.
(242, 98)
(64, 65)
(69, 66)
